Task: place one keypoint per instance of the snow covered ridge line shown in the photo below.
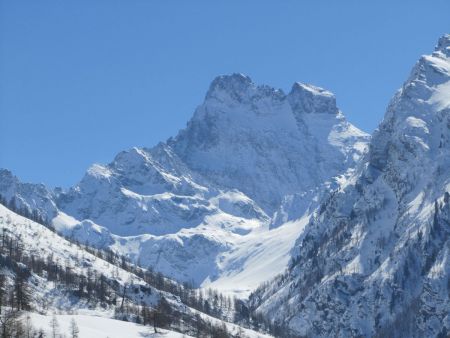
(221, 203)
(375, 260)
(55, 275)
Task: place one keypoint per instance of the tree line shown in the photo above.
(98, 290)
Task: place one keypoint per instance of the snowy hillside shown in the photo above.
(374, 260)
(224, 200)
(98, 327)
(58, 276)
(92, 326)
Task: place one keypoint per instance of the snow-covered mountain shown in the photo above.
(262, 142)
(221, 203)
(27, 196)
(375, 259)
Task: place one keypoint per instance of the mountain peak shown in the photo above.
(5, 173)
(306, 98)
(240, 88)
(444, 44)
(234, 84)
(232, 78)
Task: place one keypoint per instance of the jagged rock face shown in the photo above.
(31, 197)
(415, 128)
(375, 260)
(306, 99)
(141, 191)
(262, 142)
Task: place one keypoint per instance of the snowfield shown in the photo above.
(94, 326)
(266, 255)
(91, 326)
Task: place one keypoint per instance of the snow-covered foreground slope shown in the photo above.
(51, 295)
(222, 202)
(39, 241)
(98, 327)
(375, 260)
(93, 326)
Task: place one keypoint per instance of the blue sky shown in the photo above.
(82, 80)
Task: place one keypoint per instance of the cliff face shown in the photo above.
(374, 260)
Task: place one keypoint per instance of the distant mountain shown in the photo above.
(267, 144)
(30, 197)
(375, 259)
(221, 203)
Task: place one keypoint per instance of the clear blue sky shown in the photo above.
(82, 80)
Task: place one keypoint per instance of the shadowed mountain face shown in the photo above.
(267, 144)
(201, 206)
(374, 261)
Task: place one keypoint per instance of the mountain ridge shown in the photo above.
(373, 261)
(251, 163)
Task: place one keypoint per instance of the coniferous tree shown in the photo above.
(22, 294)
(2, 290)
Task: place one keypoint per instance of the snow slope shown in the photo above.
(263, 255)
(375, 259)
(39, 241)
(222, 202)
(98, 327)
(48, 299)
(93, 326)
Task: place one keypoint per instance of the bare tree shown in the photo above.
(10, 324)
(74, 330)
(2, 290)
(55, 327)
(29, 330)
